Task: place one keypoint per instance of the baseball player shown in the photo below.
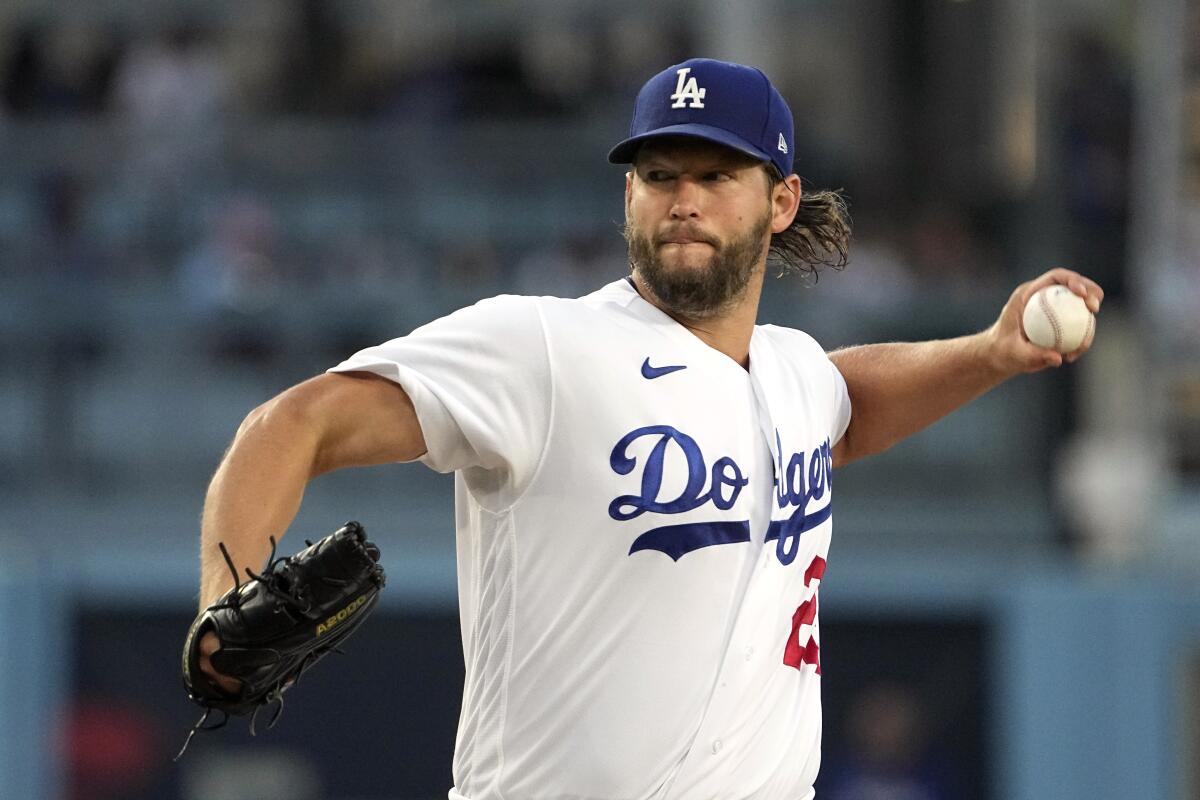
(643, 476)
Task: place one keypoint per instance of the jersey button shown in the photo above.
(749, 653)
(716, 746)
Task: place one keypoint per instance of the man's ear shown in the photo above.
(785, 200)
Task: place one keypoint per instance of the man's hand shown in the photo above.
(1011, 349)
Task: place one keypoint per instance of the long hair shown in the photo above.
(818, 237)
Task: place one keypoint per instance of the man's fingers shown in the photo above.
(1088, 289)
(1046, 356)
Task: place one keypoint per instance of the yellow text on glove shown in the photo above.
(324, 627)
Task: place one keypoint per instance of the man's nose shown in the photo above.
(686, 203)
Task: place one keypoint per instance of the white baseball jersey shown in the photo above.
(642, 531)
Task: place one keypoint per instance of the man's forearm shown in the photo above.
(255, 494)
(896, 389)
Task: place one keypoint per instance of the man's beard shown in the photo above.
(699, 293)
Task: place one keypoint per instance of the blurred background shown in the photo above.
(202, 203)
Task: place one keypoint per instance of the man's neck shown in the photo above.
(728, 332)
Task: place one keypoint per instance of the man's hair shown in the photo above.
(818, 237)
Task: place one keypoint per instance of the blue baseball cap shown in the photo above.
(720, 102)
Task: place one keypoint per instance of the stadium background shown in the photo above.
(202, 203)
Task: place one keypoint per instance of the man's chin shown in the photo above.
(683, 293)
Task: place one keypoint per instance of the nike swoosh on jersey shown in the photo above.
(650, 373)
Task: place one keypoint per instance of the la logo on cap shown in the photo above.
(687, 89)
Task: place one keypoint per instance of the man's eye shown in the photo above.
(658, 176)
(716, 177)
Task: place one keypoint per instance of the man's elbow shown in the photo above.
(854, 446)
(288, 417)
(254, 417)
(282, 404)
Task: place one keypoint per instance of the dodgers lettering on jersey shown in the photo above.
(720, 486)
(643, 527)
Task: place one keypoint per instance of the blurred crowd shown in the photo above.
(170, 209)
(174, 207)
(364, 60)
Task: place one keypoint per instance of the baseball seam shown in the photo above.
(1044, 302)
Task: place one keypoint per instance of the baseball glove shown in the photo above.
(276, 625)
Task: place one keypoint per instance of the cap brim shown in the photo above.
(625, 151)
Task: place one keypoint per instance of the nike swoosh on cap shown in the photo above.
(650, 373)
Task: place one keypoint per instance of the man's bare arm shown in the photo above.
(326, 423)
(897, 389)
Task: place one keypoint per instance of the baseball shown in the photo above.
(1057, 317)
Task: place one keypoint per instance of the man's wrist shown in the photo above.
(992, 356)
